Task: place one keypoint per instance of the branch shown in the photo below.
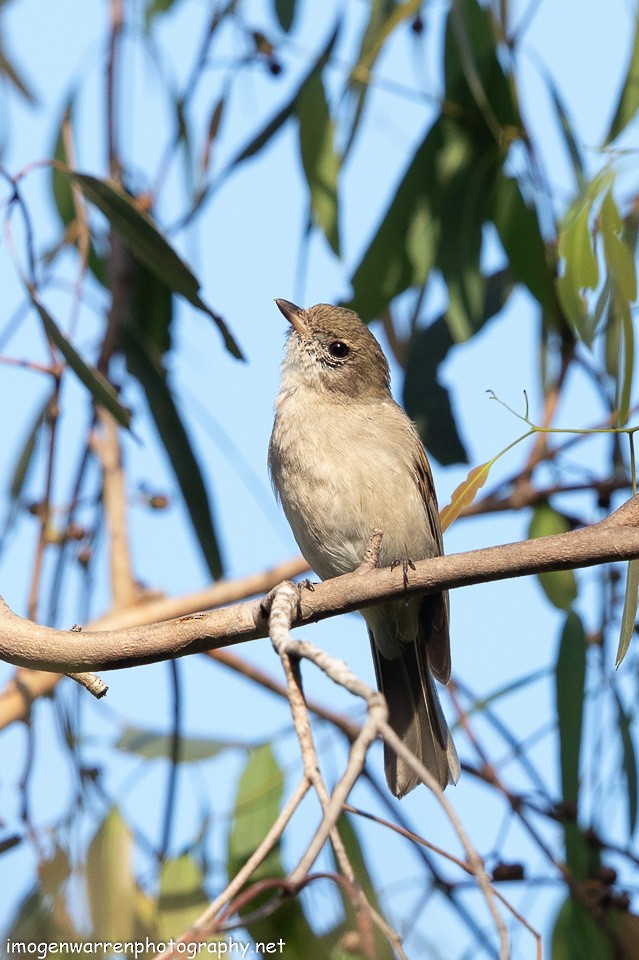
(27, 644)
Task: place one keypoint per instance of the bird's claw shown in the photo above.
(405, 563)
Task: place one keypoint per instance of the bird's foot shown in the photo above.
(405, 563)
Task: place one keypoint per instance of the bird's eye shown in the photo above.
(338, 349)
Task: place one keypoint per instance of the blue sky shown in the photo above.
(246, 250)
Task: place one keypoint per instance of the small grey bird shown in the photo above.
(345, 459)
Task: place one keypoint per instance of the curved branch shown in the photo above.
(25, 643)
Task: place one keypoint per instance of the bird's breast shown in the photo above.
(342, 471)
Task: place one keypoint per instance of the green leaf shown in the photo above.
(62, 194)
(61, 189)
(99, 387)
(475, 80)
(385, 16)
(260, 140)
(348, 835)
(149, 246)
(619, 258)
(320, 160)
(462, 203)
(257, 806)
(150, 317)
(622, 280)
(158, 746)
(518, 228)
(177, 445)
(570, 678)
(426, 401)
(573, 148)
(23, 464)
(628, 103)
(629, 762)
(12, 74)
(576, 247)
(576, 936)
(110, 884)
(155, 8)
(560, 586)
(182, 896)
(629, 615)
(285, 12)
(395, 259)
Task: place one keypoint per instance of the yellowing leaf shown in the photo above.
(465, 493)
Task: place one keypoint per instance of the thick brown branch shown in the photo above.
(26, 644)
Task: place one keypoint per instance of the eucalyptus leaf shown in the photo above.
(97, 384)
(110, 884)
(628, 102)
(177, 444)
(560, 586)
(159, 746)
(320, 159)
(629, 763)
(629, 615)
(149, 245)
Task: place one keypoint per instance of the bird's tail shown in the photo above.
(415, 714)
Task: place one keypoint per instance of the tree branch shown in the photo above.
(25, 643)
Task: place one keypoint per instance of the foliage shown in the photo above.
(471, 192)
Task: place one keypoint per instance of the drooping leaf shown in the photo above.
(176, 442)
(570, 685)
(155, 8)
(182, 896)
(619, 259)
(14, 76)
(520, 235)
(150, 316)
(62, 193)
(23, 464)
(110, 883)
(570, 677)
(629, 615)
(402, 252)
(462, 203)
(572, 146)
(285, 12)
(576, 936)
(576, 247)
(256, 143)
(320, 159)
(158, 746)
(215, 122)
(425, 400)
(355, 854)
(149, 245)
(560, 586)
(475, 79)
(465, 493)
(628, 103)
(98, 386)
(384, 17)
(61, 189)
(257, 805)
(629, 762)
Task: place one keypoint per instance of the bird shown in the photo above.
(345, 459)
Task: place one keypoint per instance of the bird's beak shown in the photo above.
(295, 316)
